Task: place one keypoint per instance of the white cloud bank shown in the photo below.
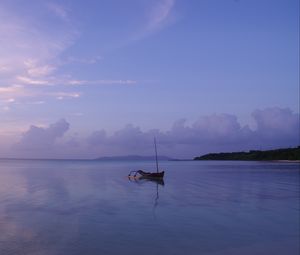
(276, 128)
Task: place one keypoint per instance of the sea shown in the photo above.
(82, 207)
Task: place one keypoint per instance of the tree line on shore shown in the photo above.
(278, 154)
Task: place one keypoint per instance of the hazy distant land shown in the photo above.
(290, 154)
(132, 157)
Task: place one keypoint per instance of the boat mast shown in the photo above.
(156, 155)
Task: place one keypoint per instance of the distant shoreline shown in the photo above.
(278, 155)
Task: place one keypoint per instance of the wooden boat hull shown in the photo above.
(148, 175)
(158, 175)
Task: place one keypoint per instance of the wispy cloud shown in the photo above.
(10, 100)
(160, 14)
(35, 70)
(3, 69)
(30, 81)
(32, 54)
(29, 51)
(100, 82)
(59, 10)
(64, 95)
(6, 93)
(19, 94)
(81, 60)
(54, 80)
(7, 96)
(36, 102)
(25, 39)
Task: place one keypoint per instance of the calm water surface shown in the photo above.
(86, 207)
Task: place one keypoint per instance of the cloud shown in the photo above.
(33, 49)
(37, 102)
(34, 70)
(209, 133)
(59, 10)
(9, 90)
(30, 50)
(89, 61)
(63, 95)
(30, 81)
(41, 139)
(12, 92)
(99, 82)
(3, 68)
(97, 138)
(276, 127)
(28, 39)
(54, 80)
(276, 120)
(159, 14)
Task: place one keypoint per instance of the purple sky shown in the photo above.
(82, 79)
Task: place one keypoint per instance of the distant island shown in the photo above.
(132, 157)
(278, 154)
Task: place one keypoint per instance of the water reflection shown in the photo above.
(63, 208)
(141, 180)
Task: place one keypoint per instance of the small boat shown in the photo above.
(149, 175)
(143, 174)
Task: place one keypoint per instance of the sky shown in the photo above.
(84, 79)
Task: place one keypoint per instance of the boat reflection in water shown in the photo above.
(141, 180)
